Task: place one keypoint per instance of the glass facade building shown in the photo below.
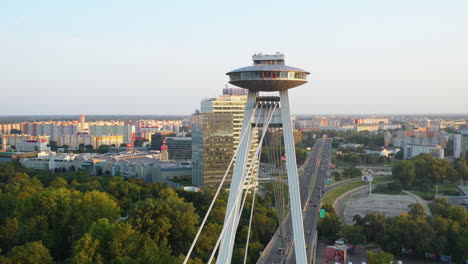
(215, 137)
(212, 148)
(179, 148)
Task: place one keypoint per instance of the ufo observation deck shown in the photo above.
(268, 74)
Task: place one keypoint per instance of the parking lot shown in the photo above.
(389, 205)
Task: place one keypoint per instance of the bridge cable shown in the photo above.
(187, 257)
(230, 214)
(264, 128)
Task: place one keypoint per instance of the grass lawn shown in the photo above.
(332, 195)
(382, 179)
(444, 189)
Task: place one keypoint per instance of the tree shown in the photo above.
(442, 170)
(424, 175)
(359, 220)
(417, 210)
(458, 214)
(23, 186)
(59, 182)
(29, 253)
(268, 155)
(301, 155)
(400, 155)
(394, 187)
(439, 206)
(354, 234)
(330, 226)
(103, 149)
(376, 141)
(118, 243)
(381, 257)
(354, 159)
(352, 172)
(404, 172)
(168, 220)
(370, 158)
(53, 145)
(461, 167)
(9, 230)
(86, 250)
(375, 226)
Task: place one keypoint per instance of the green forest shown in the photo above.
(415, 233)
(443, 232)
(423, 172)
(72, 217)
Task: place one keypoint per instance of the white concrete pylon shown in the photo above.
(293, 180)
(235, 193)
(238, 178)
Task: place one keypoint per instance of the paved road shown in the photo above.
(313, 178)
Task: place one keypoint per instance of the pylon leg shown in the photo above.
(293, 180)
(238, 178)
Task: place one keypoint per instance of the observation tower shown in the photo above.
(267, 74)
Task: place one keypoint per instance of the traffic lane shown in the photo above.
(273, 255)
(311, 192)
(310, 222)
(310, 217)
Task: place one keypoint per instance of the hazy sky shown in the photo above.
(163, 57)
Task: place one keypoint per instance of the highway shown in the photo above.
(312, 182)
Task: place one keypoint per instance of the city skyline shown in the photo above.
(364, 57)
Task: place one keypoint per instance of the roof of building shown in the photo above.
(179, 138)
(268, 67)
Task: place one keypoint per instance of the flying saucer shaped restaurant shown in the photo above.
(268, 74)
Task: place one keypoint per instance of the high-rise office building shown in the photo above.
(215, 136)
(179, 148)
(460, 144)
(212, 148)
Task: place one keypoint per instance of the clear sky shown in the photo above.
(163, 57)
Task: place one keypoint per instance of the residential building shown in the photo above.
(368, 121)
(74, 141)
(115, 140)
(419, 137)
(412, 150)
(32, 145)
(14, 139)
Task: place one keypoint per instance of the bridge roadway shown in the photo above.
(312, 183)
